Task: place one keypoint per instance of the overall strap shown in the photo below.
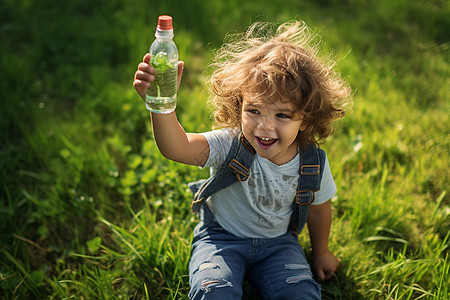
(236, 167)
(312, 160)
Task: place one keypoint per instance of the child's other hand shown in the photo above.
(325, 265)
(144, 75)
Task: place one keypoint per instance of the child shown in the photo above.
(273, 89)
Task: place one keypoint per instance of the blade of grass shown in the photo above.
(385, 238)
(25, 275)
(443, 288)
(438, 204)
(118, 231)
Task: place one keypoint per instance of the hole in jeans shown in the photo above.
(206, 266)
(303, 273)
(209, 284)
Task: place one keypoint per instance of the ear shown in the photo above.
(303, 126)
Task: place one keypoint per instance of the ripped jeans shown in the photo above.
(276, 267)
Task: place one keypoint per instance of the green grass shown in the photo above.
(91, 210)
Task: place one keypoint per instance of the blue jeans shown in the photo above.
(276, 267)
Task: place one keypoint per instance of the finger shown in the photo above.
(328, 275)
(145, 67)
(180, 72)
(138, 84)
(147, 58)
(144, 76)
(321, 275)
(141, 87)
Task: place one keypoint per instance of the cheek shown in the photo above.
(297, 126)
(291, 130)
(247, 123)
(243, 121)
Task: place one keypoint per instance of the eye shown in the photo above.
(253, 111)
(283, 116)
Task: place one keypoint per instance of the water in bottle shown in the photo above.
(162, 95)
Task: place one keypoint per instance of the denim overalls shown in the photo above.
(276, 267)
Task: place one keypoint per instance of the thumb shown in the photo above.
(180, 72)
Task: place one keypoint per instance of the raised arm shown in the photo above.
(177, 145)
(173, 142)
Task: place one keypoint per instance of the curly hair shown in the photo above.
(281, 64)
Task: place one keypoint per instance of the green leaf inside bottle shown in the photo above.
(161, 62)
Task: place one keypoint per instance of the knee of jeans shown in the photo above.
(300, 274)
(297, 273)
(292, 281)
(209, 284)
(210, 279)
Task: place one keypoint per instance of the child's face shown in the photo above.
(271, 128)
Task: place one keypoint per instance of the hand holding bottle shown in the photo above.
(145, 75)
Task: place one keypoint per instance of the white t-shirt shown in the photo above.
(261, 206)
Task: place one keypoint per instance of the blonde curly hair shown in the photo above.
(280, 64)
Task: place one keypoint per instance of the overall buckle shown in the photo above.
(239, 170)
(310, 170)
(305, 194)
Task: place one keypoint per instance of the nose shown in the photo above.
(266, 123)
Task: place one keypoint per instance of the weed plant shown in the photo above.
(90, 209)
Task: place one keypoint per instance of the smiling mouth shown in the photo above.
(266, 141)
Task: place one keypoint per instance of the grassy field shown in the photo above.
(89, 209)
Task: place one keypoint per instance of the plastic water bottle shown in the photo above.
(162, 95)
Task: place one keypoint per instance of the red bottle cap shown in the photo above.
(165, 22)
